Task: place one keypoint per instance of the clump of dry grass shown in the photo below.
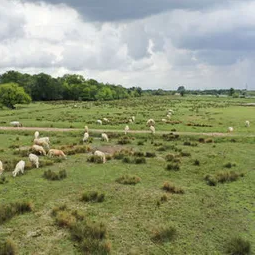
(164, 234)
(127, 179)
(170, 187)
(8, 211)
(93, 196)
(53, 176)
(7, 247)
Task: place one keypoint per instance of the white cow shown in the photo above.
(85, 137)
(105, 137)
(1, 167)
(19, 168)
(34, 159)
(15, 124)
(126, 129)
(101, 155)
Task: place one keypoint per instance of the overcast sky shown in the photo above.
(199, 44)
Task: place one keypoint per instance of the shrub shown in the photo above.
(7, 247)
(65, 219)
(121, 154)
(229, 165)
(10, 210)
(163, 198)
(127, 179)
(3, 180)
(138, 154)
(201, 140)
(185, 154)
(170, 187)
(164, 234)
(238, 246)
(90, 236)
(140, 143)
(227, 176)
(162, 148)
(196, 162)
(222, 177)
(170, 157)
(92, 196)
(126, 160)
(150, 154)
(170, 137)
(124, 140)
(208, 140)
(140, 160)
(174, 167)
(53, 176)
(211, 180)
(95, 159)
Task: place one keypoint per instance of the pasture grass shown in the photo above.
(204, 217)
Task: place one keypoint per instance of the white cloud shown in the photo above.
(194, 47)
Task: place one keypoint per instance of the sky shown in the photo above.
(199, 44)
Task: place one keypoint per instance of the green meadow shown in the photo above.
(181, 194)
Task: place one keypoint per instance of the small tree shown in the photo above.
(181, 90)
(11, 94)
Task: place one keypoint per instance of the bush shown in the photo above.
(227, 176)
(138, 154)
(140, 160)
(121, 154)
(185, 154)
(7, 247)
(209, 140)
(174, 167)
(91, 237)
(150, 154)
(92, 196)
(210, 180)
(164, 234)
(238, 246)
(170, 187)
(229, 165)
(65, 219)
(10, 210)
(163, 198)
(95, 159)
(3, 179)
(124, 140)
(127, 179)
(170, 157)
(140, 143)
(222, 177)
(196, 162)
(53, 176)
(126, 160)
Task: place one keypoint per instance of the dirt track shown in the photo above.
(122, 131)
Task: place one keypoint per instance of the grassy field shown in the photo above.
(199, 218)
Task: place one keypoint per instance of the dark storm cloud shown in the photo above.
(116, 10)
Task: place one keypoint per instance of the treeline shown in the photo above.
(43, 87)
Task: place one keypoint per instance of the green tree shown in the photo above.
(181, 90)
(11, 94)
(231, 92)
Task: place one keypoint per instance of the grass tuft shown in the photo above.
(129, 180)
(7, 247)
(170, 187)
(53, 176)
(238, 246)
(164, 234)
(93, 196)
(10, 210)
(175, 167)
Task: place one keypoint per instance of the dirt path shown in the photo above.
(122, 131)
